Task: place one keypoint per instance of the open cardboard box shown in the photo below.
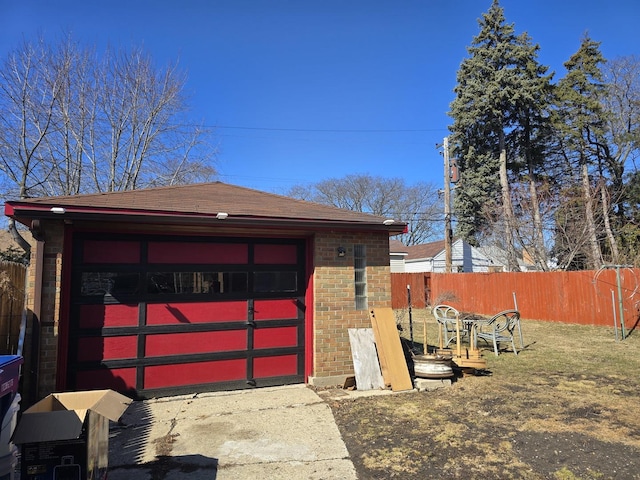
(66, 435)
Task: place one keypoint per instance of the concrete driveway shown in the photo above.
(271, 433)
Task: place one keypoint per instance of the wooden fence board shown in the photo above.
(582, 297)
(420, 287)
(392, 360)
(12, 285)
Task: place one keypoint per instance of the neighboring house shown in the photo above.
(197, 287)
(499, 256)
(397, 254)
(430, 257)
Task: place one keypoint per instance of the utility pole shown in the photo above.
(448, 235)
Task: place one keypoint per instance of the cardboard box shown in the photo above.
(66, 435)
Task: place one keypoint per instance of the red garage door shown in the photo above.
(157, 316)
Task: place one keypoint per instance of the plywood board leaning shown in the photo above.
(365, 359)
(390, 349)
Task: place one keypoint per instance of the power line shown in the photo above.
(322, 130)
(317, 130)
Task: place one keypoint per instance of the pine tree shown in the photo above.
(580, 123)
(498, 115)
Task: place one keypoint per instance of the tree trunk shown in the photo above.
(615, 255)
(595, 255)
(507, 209)
(539, 253)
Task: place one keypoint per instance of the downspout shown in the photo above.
(19, 239)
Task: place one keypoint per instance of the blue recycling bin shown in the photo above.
(9, 407)
(9, 377)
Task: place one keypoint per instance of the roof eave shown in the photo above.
(25, 213)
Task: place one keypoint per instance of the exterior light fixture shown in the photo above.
(222, 215)
(58, 210)
(342, 251)
(389, 221)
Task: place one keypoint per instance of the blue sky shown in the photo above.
(300, 91)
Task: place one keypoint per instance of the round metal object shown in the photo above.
(430, 366)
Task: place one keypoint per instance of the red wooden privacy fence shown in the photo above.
(12, 281)
(584, 297)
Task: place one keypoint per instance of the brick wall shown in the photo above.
(50, 314)
(53, 233)
(334, 293)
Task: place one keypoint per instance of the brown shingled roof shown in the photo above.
(396, 246)
(426, 250)
(200, 200)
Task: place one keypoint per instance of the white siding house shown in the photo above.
(397, 254)
(430, 257)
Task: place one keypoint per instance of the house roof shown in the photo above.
(194, 203)
(425, 250)
(397, 247)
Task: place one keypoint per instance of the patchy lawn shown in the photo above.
(565, 408)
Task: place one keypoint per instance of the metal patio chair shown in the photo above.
(447, 318)
(500, 329)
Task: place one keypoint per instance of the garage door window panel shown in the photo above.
(93, 284)
(197, 282)
(275, 282)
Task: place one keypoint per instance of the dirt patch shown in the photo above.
(582, 455)
(562, 409)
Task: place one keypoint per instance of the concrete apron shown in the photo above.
(274, 433)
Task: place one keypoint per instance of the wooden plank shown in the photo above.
(365, 359)
(388, 342)
(382, 357)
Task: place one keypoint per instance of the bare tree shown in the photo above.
(419, 205)
(78, 122)
(28, 95)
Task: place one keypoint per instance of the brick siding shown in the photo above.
(334, 309)
(49, 308)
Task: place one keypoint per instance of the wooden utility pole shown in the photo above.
(447, 208)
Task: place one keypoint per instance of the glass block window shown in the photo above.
(360, 276)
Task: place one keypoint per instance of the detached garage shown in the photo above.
(196, 288)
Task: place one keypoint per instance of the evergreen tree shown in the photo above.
(529, 143)
(580, 122)
(498, 115)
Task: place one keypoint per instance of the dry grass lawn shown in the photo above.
(565, 408)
